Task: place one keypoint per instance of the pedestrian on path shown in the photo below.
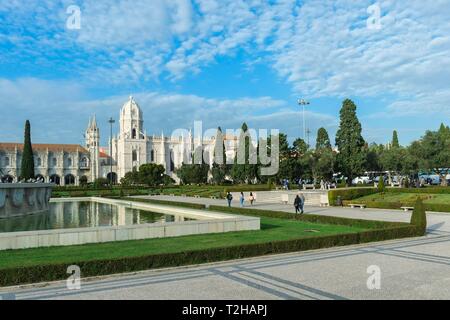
(297, 204)
(229, 198)
(251, 198)
(302, 202)
(242, 199)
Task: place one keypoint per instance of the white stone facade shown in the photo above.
(66, 164)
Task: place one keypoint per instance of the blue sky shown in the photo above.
(224, 62)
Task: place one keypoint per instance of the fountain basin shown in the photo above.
(17, 199)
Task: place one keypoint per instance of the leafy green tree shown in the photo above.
(352, 155)
(432, 152)
(323, 140)
(373, 157)
(193, 173)
(27, 164)
(300, 146)
(151, 174)
(130, 178)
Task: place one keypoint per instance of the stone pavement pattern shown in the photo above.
(410, 269)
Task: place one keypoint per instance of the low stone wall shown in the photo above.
(208, 222)
(17, 199)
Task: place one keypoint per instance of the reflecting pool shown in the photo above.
(84, 214)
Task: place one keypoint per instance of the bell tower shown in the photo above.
(131, 121)
(92, 145)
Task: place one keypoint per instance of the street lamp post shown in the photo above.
(111, 122)
(303, 103)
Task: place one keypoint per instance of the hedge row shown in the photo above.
(54, 272)
(170, 203)
(369, 224)
(101, 193)
(434, 207)
(349, 194)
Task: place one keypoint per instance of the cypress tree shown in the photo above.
(27, 165)
(395, 143)
(352, 154)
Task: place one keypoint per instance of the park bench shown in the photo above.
(196, 196)
(354, 205)
(213, 197)
(309, 186)
(406, 209)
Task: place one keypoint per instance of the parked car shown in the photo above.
(362, 180)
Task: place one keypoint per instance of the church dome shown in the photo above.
(131, 109)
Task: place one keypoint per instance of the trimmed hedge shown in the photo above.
(370, 224)
(169, 203)
(54, 272)
(349, 194)
(396, 205)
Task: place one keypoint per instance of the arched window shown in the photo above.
(133, 134)
(39, 162)
(54, 162)
(134, 156)
(152, 156)
(69, 162)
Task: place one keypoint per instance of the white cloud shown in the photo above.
(59, 112)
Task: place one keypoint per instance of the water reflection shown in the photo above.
(66, 215)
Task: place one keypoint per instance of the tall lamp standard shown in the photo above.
(303, 103)
(111, 122)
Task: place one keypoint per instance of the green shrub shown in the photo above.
(349, 194)
(419, 216)
(381, 185)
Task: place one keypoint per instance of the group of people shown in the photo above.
(299, 202)
(251, 198)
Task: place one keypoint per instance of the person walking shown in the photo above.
(229, 198)
(302, 202)
(297, 204)
(251, 198)
(242, 199)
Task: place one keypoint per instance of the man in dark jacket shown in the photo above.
(297, 202)
(229, 198)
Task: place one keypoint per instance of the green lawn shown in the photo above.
(272, 229)
(407, 198)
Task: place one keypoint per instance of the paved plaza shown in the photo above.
(416, 268)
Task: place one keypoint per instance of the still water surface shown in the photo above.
(67, 215)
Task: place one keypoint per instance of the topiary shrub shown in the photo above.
(419, 216)
(381, 185)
